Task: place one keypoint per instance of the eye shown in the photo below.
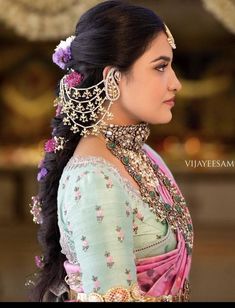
(161, 67)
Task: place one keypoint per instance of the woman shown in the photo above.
(114, 224)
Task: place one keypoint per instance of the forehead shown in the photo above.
(158, 47)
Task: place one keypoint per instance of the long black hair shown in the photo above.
(112, 33)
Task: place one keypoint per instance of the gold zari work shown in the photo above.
(133, 294)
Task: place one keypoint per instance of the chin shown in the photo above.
(164, 119)
(168, 119)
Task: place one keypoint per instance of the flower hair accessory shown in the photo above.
(39, 261)
(73, 79)
(62, 53)
(42, 173)
(55, 144)
(36, 208)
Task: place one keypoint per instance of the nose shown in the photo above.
(175, 84)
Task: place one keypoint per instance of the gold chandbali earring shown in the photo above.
(170, 37)
(80, 105)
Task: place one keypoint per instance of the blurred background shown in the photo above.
(201, 132)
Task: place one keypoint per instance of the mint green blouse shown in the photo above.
(104, 224)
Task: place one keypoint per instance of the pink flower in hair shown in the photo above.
(58, 110)
(73, 79)
(50, 145)
(39, 261)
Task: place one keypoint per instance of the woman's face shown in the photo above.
(150, 82)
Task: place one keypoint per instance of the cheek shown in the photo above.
(145, 93)
(156, 89)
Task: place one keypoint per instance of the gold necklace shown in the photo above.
(126, 143)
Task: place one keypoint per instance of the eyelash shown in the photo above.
(161, 66)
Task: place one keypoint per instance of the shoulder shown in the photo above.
(91, 173)
(88, 184)
(158, 159)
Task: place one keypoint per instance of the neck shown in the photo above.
(120, 116)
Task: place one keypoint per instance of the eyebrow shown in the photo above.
(161, 58)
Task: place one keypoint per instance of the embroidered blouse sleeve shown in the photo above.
(100, 221)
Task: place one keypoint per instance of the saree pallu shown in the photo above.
(166, 274)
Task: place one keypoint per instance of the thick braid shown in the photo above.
(52, 271)
(102, 38)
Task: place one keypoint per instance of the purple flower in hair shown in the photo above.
(61, 57)
(62, 53)
(42, 173)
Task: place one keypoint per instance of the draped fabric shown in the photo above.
(100, 255)
(164, 274)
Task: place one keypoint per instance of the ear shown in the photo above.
(106, 70)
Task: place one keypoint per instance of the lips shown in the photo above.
(170, 102)
(170, 99)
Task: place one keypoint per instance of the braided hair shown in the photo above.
(112, 33)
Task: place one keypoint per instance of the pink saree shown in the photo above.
(165, 274)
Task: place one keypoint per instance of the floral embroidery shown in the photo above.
(109, 259)
(78, 178)
(120, 234)
(65, 181)
(128, 273)
(85, 244)
(77, 193)
(128, 208)
(138, 214)
(96, 287)
(99, 213)
(81, 175)
(109, 183)
(135, 228)
(100, 162)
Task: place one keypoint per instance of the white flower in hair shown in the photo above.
(62, 53)
(65, 44)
